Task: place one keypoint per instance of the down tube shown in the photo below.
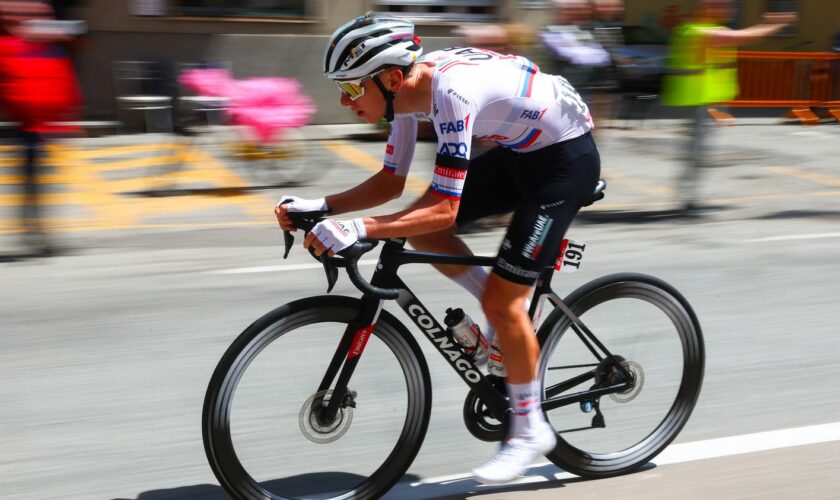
(453, 354)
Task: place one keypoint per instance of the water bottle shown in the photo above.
(466, 333)
(495, 363)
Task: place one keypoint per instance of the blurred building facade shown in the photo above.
(286, 37)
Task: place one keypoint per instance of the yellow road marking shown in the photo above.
(256, 205)
(825, 180)
(367, 162)
(639, 185)
(150, 161)
(108, 151)
(42, 179)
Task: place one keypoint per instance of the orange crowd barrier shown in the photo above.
(801, 81)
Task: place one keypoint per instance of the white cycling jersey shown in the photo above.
(502, 98)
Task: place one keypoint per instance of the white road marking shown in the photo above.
(281, 268)
(294, 267)
(788, 237)
(674, 454)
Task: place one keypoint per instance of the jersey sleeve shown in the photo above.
(400, 148)
(453, 111)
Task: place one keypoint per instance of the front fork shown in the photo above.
(348, 353)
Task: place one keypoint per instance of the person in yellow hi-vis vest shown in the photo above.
(702, 66)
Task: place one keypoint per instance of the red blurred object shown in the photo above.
(37, 84)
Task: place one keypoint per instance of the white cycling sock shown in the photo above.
(527, 409)
(474, 280)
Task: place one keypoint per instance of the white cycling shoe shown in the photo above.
(515, 456)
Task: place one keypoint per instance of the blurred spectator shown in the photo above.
(578, 55)
(703, 70)
(37, 88)
(606, 27)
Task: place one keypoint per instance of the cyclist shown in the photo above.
(544, 170)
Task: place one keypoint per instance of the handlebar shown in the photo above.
(347, 258)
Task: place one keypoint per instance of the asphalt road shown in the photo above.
(106, 350)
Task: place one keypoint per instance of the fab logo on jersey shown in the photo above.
(449, 127)
(454, 126)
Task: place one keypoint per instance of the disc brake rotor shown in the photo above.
(320, 432)
(630, 394)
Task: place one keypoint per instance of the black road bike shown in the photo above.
(330, 396)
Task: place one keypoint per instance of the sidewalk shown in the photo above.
(158, 181)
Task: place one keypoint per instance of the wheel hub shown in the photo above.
(312, 425)
(638, 381)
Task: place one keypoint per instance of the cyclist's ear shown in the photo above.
(394, 79)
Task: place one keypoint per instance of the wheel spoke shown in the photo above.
(652, 378)
(265, 428)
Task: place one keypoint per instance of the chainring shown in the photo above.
(478, 419)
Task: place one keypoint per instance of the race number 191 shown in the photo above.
(571, 255)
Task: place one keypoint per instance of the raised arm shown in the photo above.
(771, 23)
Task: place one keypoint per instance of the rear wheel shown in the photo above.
(654, 334)
(263, 426)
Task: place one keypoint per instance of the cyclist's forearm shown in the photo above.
(377, 190)
(427, 215)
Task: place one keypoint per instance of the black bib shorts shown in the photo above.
(544, 189)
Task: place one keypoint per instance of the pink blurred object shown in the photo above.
(211, 82)
(265, 104)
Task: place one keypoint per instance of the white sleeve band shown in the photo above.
(360, 228)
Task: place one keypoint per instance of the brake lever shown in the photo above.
(288, 241)
(302, 220)
(330, 268)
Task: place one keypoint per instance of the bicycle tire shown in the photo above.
(393, 338)
(574, 452)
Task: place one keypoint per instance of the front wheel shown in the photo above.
(651, 330)
(262, 423)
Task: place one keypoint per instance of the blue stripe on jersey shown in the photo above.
(526, 140)
(527, 84)
(454, 194)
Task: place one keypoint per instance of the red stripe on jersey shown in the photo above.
(456, 63)
(445, 196)
(531, 141)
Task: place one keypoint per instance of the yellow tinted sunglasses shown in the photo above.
(354, 88)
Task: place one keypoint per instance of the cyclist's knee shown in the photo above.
(503, 301)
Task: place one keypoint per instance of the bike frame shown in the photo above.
(394, 255)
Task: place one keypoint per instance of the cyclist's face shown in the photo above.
(370, 107)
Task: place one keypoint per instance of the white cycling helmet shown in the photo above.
(362, 46)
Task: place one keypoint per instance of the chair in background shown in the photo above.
(141, 86)
(194, 110)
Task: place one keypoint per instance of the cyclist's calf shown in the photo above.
(504, 306)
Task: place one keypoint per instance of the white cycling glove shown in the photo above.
(337, 235)
(298, 204)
